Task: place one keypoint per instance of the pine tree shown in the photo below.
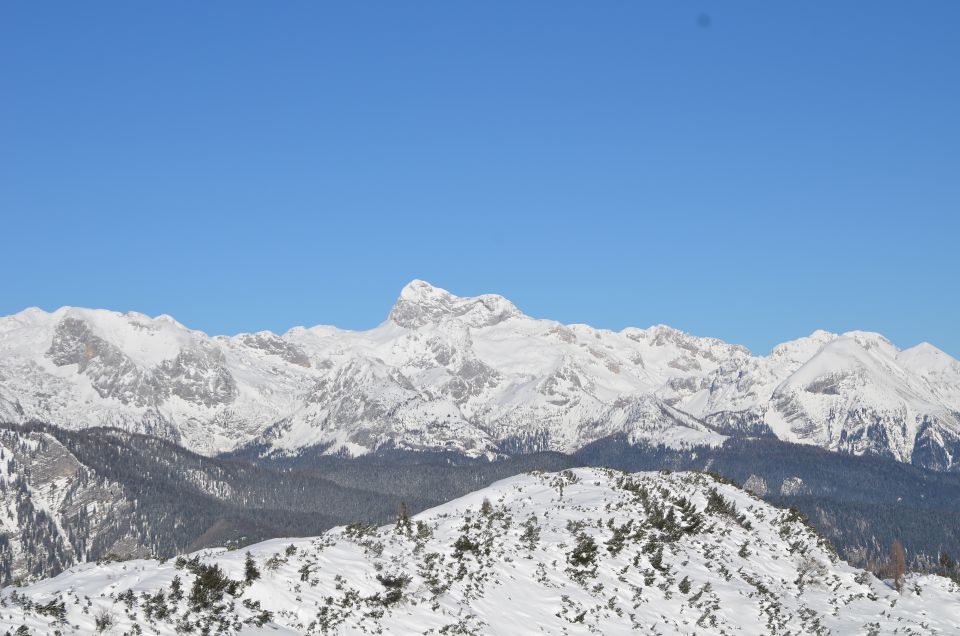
(176, 589)
(250, 571)
(305, 572)
(486, 508)
(531, 533)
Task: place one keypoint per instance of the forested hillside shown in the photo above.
(584, 551)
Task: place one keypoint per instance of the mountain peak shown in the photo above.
(421, 292)
(926, 358)
(420, 304)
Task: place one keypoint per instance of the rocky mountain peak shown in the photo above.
(421, 304)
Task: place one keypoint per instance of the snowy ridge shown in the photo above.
(577, 552)
(473, 375)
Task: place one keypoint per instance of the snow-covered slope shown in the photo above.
(578, 552)
(472, 375)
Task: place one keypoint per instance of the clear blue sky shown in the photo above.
(748, 170)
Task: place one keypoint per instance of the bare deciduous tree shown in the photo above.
(898, 565)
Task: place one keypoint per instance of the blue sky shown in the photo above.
(747, 170)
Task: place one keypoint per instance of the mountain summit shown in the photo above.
(421, 303)
(473, 375)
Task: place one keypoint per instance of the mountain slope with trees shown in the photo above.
(577, 552)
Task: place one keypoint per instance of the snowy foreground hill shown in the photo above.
(578, 552)
(474, 376)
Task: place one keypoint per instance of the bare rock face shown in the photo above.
(53, 510)
(757, 485)
(10, 409)
(937, 445)
(275, 345)
(793, 486)
(196, 375)
(111, 373)
(199, 375)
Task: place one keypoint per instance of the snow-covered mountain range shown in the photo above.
(473, 375)
(588, 551)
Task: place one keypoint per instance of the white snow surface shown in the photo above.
(587, 551)
(473, 375)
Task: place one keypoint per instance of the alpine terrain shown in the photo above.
(474, 376)
(584, 551)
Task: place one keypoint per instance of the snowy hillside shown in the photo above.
(476, 376)
(577, 552)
